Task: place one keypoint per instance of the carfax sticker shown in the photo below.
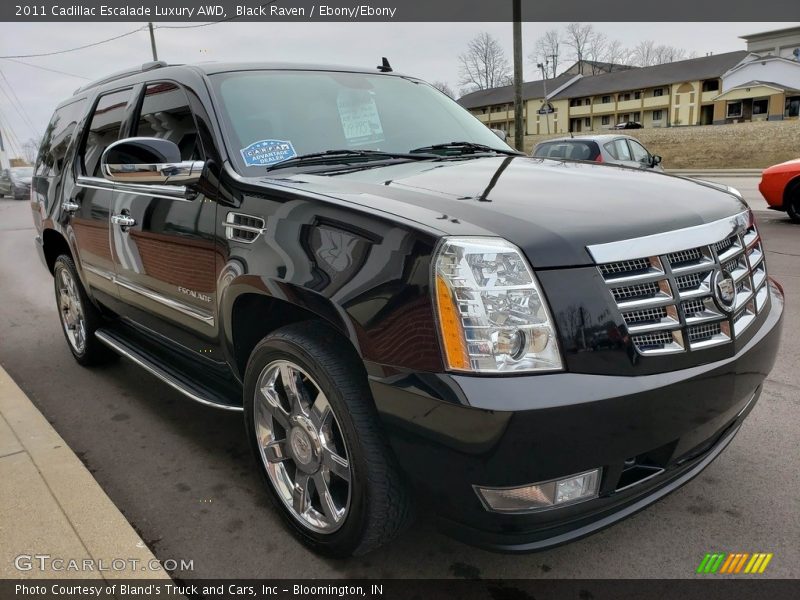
(267, 152)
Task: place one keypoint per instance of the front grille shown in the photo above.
(668, 301)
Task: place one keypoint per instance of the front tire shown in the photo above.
(79, 317)
(317, 440)
(793, 205)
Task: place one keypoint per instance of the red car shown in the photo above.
(780, 185)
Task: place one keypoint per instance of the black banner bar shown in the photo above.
(399, 10)
(705, 587)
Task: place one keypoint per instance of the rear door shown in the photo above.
(640, 155)
(620, 152)
(88, 203)
(165, 260)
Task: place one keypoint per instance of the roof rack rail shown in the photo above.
(148, 66)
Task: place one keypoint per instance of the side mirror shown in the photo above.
(151, 161)
(500, 133)
(655, 160)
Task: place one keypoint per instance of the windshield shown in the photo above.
(22, 171)
(272, 116)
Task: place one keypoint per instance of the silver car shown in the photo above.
(609, 148)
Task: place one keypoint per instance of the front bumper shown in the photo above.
(668, 427)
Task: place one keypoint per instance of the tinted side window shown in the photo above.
(541, 150)
(103, 129)
(57, 139)
(166, 114)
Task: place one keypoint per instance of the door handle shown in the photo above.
(123, 220)
(69, 206)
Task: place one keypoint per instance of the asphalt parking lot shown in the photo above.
(183, 476)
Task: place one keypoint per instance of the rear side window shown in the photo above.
(570, 150)
(104, 129)
(165, 114)
(618, 149)
(57, 139)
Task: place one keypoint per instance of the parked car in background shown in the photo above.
(607, 148)
(16, 182)
(780, 186)
(628, 125)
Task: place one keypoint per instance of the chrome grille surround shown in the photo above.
(664, 284)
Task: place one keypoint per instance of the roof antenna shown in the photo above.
(384, 67)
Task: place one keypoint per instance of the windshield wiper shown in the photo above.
(345, 153)
(459, 148)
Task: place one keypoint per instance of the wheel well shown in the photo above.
(54, 246)
(792, 191)
(255, 316)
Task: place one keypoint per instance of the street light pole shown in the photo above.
(152, 40)
(518, 123)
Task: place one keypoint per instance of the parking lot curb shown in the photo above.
(50, 505)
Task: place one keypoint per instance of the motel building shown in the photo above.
(757, 84)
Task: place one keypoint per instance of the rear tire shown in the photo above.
(79, 317)
(333, 478)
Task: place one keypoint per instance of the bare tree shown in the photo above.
(578, 37)
(545, 51)
(445, 88)
(647, 54)
(617, 54)
(484, 64)
(30, 149)
(596, 52)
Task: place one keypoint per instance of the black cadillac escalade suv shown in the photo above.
(406, 310)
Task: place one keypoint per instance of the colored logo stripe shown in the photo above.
(736, 562)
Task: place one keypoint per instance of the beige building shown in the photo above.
(495, 107)
(668, 95)
(779, 42)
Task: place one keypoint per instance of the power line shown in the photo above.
(111, 39)
(19, 62)
(11, 136)
(19, 107)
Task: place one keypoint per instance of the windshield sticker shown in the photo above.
(267, 152)
(359, 115)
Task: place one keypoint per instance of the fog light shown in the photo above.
(544, 495)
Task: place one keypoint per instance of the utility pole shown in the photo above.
(152, 40)
(543, 67)
(519, 134)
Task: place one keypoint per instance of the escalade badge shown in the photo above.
(725, 290)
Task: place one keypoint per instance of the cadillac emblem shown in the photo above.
(725, 290)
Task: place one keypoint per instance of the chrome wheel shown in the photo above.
(71, 309)
(302, 447)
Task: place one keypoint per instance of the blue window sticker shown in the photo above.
(267, 152)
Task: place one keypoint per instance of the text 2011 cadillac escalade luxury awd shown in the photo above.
(405, 309)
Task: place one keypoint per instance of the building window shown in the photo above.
(658, 92)
(587, 122)
(637, 95)
(588, 102)
(658, 115)
(605, 120)
(605, 100)
(792, 106)
(637, 116)
(711, 85)
(761, 106)
(624, 97)
(734, 110)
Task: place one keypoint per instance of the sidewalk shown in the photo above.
(51, 505)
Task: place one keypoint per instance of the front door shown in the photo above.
(165, 255)
(88, 203)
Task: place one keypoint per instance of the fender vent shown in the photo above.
(243, 228)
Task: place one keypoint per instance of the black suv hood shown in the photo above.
(551, 209)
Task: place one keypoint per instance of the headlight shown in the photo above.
(493, 317)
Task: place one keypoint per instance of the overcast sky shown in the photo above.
(426, 50)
